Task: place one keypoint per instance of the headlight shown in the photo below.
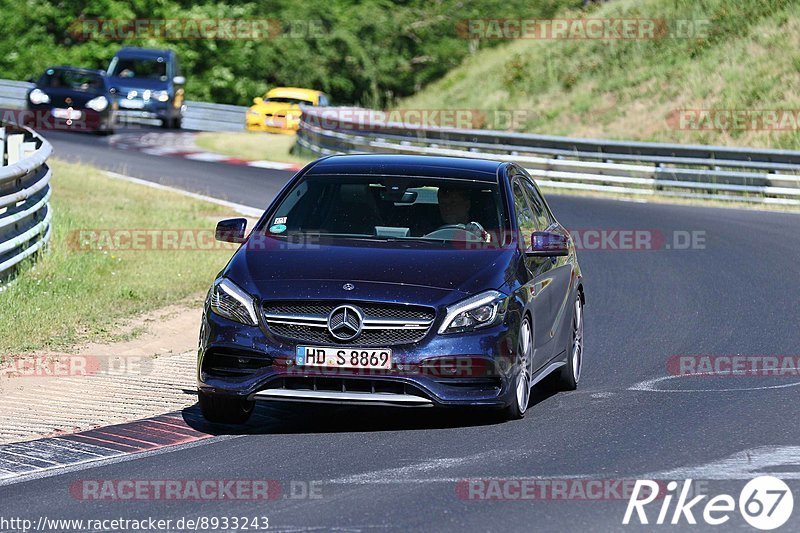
(38, 96)
(98, 104)
(481, 310)
(161, 96)
(229, 301)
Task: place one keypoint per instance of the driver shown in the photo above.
(454, 205)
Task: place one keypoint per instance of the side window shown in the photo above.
(323, 100)
(541, 214)
(526, 220)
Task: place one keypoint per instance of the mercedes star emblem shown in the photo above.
(345, 322)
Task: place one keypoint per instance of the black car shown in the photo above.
(394, 280)
(72, 98)
(148, 85)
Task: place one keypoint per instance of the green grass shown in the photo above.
(253, 146)
(71, 295)
(628, 89)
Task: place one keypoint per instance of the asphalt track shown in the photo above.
(401, 470)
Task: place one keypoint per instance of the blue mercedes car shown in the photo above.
(394, 280)
(149, 85)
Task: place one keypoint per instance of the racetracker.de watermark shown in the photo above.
(187, 239)
(582, 29)
(146, 239)
(637, 240)
(55, 366)
(734, 119)
(540, 489)
(192, 29)
(377, 119)
(66, 119)
(734, 365)
(194, 489)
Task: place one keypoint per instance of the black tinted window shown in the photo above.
(526, 219)
(413, 208)
(540, 212)
(74, 80)
(151, 69)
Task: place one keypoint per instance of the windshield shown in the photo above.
(391, 208)
(291, 101)
(71, 79)
(151, 69)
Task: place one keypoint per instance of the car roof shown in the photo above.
(293, 92)
(130, 51)
(408, 165)
(77, 69)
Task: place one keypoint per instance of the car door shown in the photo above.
(559, 273)
(537, 270)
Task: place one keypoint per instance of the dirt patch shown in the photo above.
(97, 384)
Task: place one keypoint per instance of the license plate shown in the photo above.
(66, 114)
(336, 357)
(275, 122)
(132, 104)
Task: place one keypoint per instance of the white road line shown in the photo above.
(747, 464)
(165, 150)
(743, 465)
(207, 156)
(409, 473)
(272, 164)
(245, 210)
(651, 385)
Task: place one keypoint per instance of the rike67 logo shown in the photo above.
(765, 503)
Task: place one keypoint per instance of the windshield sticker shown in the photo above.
(280, 220)
(277, 228)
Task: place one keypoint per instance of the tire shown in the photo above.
(522, 385)
(222, 410)
(570, 374)
(177, 123)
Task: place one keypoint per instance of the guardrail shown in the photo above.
(201, 116)
(636, 168)
(24, 194)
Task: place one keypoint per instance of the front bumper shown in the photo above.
(248, 362)
(151, 110)
(343, 398)
(259, 122)
(41, 117)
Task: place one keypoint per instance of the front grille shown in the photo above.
(385, 324)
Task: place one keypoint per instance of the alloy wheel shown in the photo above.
(524, 379)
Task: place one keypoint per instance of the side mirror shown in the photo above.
(179, 80)
(231, 230)
(258, 100)
(548, 244)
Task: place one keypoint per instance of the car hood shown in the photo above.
(58, 97)
(274, 108)
(411, 273)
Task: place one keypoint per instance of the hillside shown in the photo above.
(747, 61)
(366, 52)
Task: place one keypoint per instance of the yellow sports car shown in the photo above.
(279, 110)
